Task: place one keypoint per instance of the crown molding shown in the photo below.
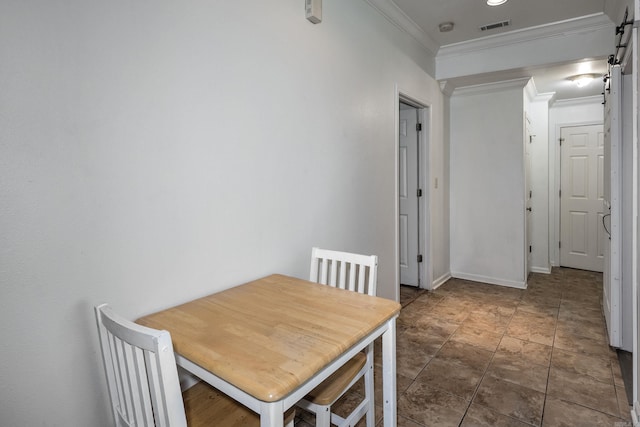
(585, 100)
(446, 87)
(579, 25)
(548, 97)
(397, 17)
(491, 87)
(536, 96)
(531, 89)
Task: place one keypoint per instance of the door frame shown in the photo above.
(424, 242)
(528, 221)
(410, 168)
(554, 250)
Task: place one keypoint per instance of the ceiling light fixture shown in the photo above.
(496, 2)
(583, 80)
(445, 27)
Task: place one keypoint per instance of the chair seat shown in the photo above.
(206, 406)
(330, 389)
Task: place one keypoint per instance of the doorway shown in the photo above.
(581, 197)
(413, 129)
(528, 139)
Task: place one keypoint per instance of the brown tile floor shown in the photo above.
(471, 354)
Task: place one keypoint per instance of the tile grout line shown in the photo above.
(493, 355)
(553, 347)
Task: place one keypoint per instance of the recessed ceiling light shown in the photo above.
(496, 2)
(583, 80)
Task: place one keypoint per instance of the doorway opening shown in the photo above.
(413, 219)
(581, 197)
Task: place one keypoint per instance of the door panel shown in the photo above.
(528, 140)
(612, 246)
(408, 181)
(582, 192)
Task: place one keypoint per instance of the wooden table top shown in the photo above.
(271, 335)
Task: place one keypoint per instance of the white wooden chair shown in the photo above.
(144, 389)
(356, 273)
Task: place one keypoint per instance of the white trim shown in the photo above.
(634, 216)
(397, 17)
(614, 274)
(548, 97)
(426, 114)
(531, 89)
(635, 418)
(585, 100)
(584, 24)
(490, 87)
(489, 280)
(396, 185)
(440, 281)
(554, 250)
(541, 270)
(526, 186)
(446, 87)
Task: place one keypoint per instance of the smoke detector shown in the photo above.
(445, 27)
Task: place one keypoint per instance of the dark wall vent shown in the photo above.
(495, 25)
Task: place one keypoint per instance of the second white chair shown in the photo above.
(356, 273)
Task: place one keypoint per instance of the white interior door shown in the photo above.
(612, 289)
(581, 201)
(408, 191)
(527, 186)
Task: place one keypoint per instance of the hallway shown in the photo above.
(472, 354)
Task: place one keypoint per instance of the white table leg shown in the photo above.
(389, 374)
(271, 414)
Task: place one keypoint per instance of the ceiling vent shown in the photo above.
(495, 25)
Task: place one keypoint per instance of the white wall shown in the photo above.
(440, 204)
(538, 112)
(572, 112)
(150, 154)
(487, 184)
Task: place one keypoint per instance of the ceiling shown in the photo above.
(468, 16)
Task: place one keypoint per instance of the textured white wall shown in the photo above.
(487, 185)
(156, 151)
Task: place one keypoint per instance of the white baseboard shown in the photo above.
(440, 281)
(635, 412)
(489, 280)
(541, 270)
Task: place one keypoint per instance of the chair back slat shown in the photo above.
(342, 284)
(141, 373)
(145, 412)
(361, 277)
(353, 272)
(334, 273)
